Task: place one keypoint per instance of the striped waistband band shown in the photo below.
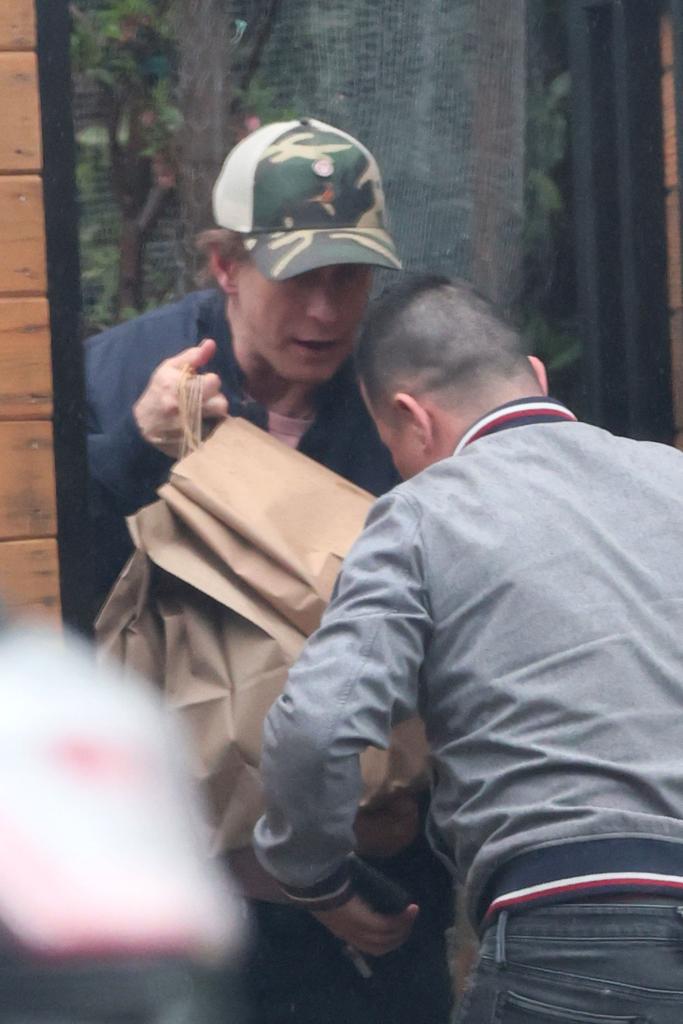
(595, 867)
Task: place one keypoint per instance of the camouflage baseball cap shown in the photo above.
(305, 195)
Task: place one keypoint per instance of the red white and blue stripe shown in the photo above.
(521, 412)
(571, 871)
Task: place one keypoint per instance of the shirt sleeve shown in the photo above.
(125, 465)
(123, 469)
(357, 676)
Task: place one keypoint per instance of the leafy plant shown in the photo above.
(547, 309)
(124, 49)
(127, 52)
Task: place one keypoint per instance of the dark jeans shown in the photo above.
(587, 963)
(298, 973)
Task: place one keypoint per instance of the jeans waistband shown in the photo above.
(586, 869)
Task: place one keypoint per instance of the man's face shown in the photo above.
(303, 328)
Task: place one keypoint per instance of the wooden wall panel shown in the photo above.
(29, 576)
(22, 230)
(27, 483)
(29, 560)
(25, 364)
(17, 25)
(20, 141)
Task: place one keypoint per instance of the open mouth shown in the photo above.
(315, 346)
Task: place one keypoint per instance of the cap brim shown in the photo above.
(285, 254)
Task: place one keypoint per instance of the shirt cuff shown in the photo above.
(331, 892)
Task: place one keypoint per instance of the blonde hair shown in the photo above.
(229, 246)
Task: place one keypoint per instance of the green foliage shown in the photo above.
(547, 143)
(260, 101)
(99, 229)
(99, 279)
(128, 50)
(557, 345)
(126, 47)
(164, 120)
(548, 302)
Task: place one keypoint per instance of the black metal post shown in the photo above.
(620, 214)
(63, 272)
(676, 12)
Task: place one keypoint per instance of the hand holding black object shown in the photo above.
(377, 919)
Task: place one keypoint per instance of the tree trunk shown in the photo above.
(130, 184)
(203, 33)
(498, 149)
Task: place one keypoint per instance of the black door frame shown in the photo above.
(64, 295)
(619, 205)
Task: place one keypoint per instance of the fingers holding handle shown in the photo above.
(156, 412)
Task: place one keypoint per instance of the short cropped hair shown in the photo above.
(230, 246)
(439, 335)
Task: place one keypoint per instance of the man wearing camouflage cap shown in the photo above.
(301, 214)
(300, 210)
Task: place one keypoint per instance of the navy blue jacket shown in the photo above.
(125, 471)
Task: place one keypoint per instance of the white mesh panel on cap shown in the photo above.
(345, 135)
(233, 193)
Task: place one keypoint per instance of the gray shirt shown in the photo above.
(525, 597)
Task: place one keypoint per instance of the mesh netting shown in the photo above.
(437, 92)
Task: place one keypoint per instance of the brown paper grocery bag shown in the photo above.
(232, 570)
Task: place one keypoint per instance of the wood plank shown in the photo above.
(20, 138)
(669, 130)
(17, 25)
(27, 481)
(22, 229)
(29, 576)
(25, 360)
(673, 238)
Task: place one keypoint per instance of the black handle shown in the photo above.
(375, 889)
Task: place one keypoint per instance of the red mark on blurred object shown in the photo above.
(98, 760)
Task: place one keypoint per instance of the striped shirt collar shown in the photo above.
(520, 412)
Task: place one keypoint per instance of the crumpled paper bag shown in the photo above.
(232, 570)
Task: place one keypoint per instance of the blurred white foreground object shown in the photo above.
(102, 856)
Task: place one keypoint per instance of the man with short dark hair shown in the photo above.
(523, 592)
